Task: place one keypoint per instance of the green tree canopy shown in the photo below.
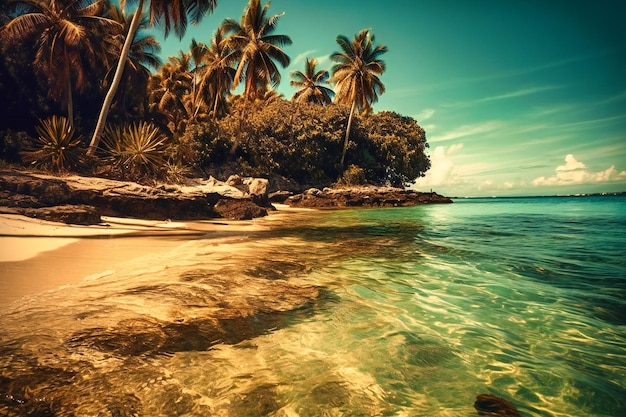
(312, 84)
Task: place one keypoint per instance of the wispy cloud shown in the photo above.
(300, 58)
(519, 93)
(454, 83)
(614, 99)
(510, 95)
(467, 130)
(591, 122)
(424, 115)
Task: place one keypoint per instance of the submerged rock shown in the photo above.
(490, 405)
(102, 347)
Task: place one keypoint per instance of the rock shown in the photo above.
(235, 181)
(257, 188)
(70, 214)
(239, 209)
(279, 196)
(124, 199)
(364, 197)
(490, 405)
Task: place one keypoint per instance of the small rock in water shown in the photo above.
(490, 405)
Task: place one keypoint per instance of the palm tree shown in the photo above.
(169, 89)
(173, 13)
(218, 74)
(311, 85)
(256, 47)
(356, 75)
(196, 52)
(142, 57)
(66, 39)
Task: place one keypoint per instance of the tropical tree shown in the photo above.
(67, 44)
(217, 75)
(355, 75)
(256, 47)
(311, 84)
(196, 53)
(142, 57)
(173, 14)
(169, 89)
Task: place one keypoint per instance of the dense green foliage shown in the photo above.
(303, 142)
(183, 116)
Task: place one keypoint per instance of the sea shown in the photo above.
(420, 309)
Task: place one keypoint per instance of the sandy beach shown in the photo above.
(38, 256)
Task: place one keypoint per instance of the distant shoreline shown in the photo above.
(603, 194)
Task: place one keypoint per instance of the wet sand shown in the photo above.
(37, 256)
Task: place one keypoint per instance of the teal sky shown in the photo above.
(516, 97)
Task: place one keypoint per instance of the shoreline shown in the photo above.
(40, 256)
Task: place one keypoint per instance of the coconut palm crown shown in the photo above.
(66, 37)
(217, 73)
(356, 71)
(256, 48)
(311, 83)
(355, 75)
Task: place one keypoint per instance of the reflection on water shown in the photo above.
(369, 313)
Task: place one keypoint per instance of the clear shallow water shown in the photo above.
(421, 309)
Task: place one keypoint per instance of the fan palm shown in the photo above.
(311, 85)
(256, 47)
(66, 37)
(355, 75)
(174, 14)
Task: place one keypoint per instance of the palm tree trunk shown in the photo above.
(345, 142)
(70, 102)
(217, 96)
(108, 100)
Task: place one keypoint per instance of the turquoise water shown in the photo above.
(422, 309)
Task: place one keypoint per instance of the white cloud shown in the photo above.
(575, 172)
(571, 164)
(442, 167)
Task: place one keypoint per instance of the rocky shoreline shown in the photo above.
(366, 196)
(83, 200)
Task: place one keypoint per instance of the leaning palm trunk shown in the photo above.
(70, 102)
(345, 142)
(217, 97)
(119, 71)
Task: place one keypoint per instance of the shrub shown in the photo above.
(136, 150)
(57, 148)
(12, 143)
(354, 175)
